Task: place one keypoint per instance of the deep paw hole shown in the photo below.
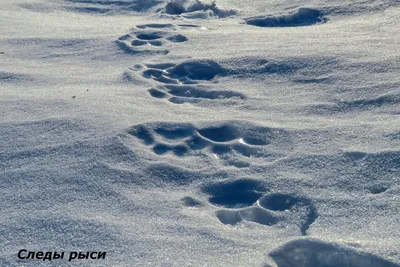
(152, 73)
(197, 70)
(174, 132)
(378, 190)
(161, 149)
(157, 93)
(143, 134)
(154, 26)
(148, 36)
(251, 214)
(219, 134)
(278, 202)
(156, 43)
(138, 43)
(235, 194)
(196, 143)
(125, 37)
(183, 100)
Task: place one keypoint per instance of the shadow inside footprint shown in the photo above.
(222, 133)
(177, 150)
(314, 253)
(147, 38)
(300, 208)
(149, 35)
(251, 214)
(179, 94)
(174, 132)
(378, 189)
(278, 202)
(156, 26)
(235, 194)
(142, 133)
(196, 70)
(231, 143)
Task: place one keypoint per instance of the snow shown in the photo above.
(200, 133)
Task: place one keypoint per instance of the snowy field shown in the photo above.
(187, 133)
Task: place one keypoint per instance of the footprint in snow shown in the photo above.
(246, 200)
(153, 38)
(231, 143)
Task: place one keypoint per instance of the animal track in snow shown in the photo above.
(278, 202)
(238, 197)
(187, 72)
(191, 94)
(191, 81)
(180, 81)
(149, 38)
(204, 71)
(244, 200)
(232, 143)
(235, 194)
(378, 189)
(251, 214)
(303, 17)
(294, 208)
(195, 9)
(315, 253)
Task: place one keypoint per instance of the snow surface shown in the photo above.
(192, 133)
